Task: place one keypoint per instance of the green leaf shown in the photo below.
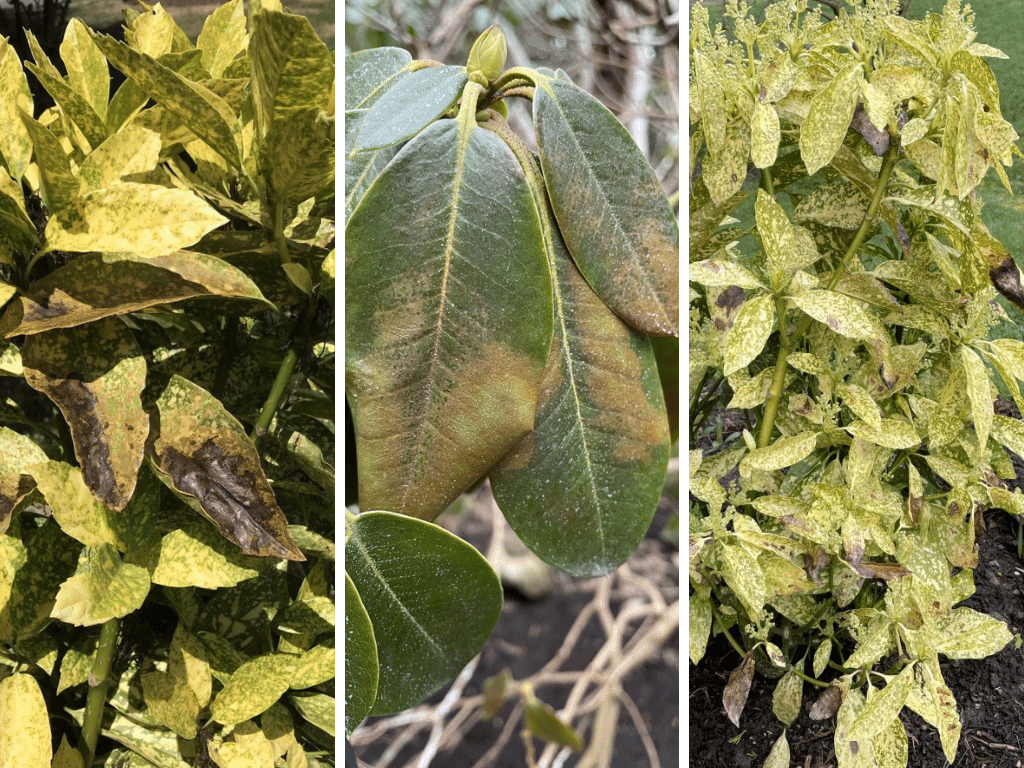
(543, 723)
(131, 150)
(361, 168)
(222, 37)
(202, 111)
(754, 323)
(96, 285)
(140, 218)
(828, 118)
(95, 374)
(102, 588)
(316, 666)
(601, 403)
(292, 69)
(610, 207)
(932, 699)
(15, 100)
(21, 702)
(700, 622)
(203, 454)
(409, 593)
(779, 755)
(170, 700)
(361, 664)
(150, 746)
(369, 73)
(253, 688)
(412, 308)
(896, 434)
(58, 185)
(980, 395)
(744, 575)
(18, 228)
(87, 69)
(409, 106)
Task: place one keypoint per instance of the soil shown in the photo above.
(989, 692)
(529, 633)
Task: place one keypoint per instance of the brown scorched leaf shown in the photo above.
(734, 697)
(98, 285)
(204, 455)
(95, 374)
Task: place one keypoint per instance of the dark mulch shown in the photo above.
(989, 692)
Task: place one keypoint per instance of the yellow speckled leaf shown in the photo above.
(765, 135)
(754, 323)
(981, 396)
(26, 745)
(196, 556)
(95, 374)
(829, 117)
(882, 707)
(131, 150)
(223, 37)
(74, 507)
(248, 748)
(66, 756)
(140, 218)
(170, 700)
(784, 452)
(15, 98)
(844, 315)
(103, 588)
(16, 453)
(787, 697)
(254, 687)
(87, 69)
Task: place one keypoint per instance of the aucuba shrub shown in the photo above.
(842, 285)
(500, 306)
(167, 348)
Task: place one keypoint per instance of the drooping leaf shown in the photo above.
(28, 744)
(144, 219)
(95, 374)
(431, 606)
(18, 229)
(362, 667)
(222, 37)
(15, 99)
(418, 269)
(96, 285)
(542, 722)
(201, 110)
(369, 73)
(292, 69)
(253, 688)
(610, 207)
(17, 452)
(409, 106)
(79, 514)
(202, 453)
(102, 588)
(734, 697)
(581, 488)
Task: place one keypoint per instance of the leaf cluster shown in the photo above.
(500, 309)
(841, 298)
(167, 342)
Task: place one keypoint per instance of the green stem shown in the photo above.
(279, 239)
(99, 682)
(284, 373)
(786, 348)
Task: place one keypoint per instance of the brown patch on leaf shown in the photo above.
(1006, 278)
(734, 698)
(827, 704)
(233, 497)
(80, 409)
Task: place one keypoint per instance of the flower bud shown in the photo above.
(488, 54)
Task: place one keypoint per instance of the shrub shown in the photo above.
(846, 314)
(166, 277)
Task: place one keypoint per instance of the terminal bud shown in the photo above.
(488, 54)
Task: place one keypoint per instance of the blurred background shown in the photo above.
(624, 52)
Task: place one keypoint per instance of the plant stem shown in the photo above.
(279, 239)
(99, 682)
(788, 345)
(284, 373)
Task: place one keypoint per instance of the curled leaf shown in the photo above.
(204, 455)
